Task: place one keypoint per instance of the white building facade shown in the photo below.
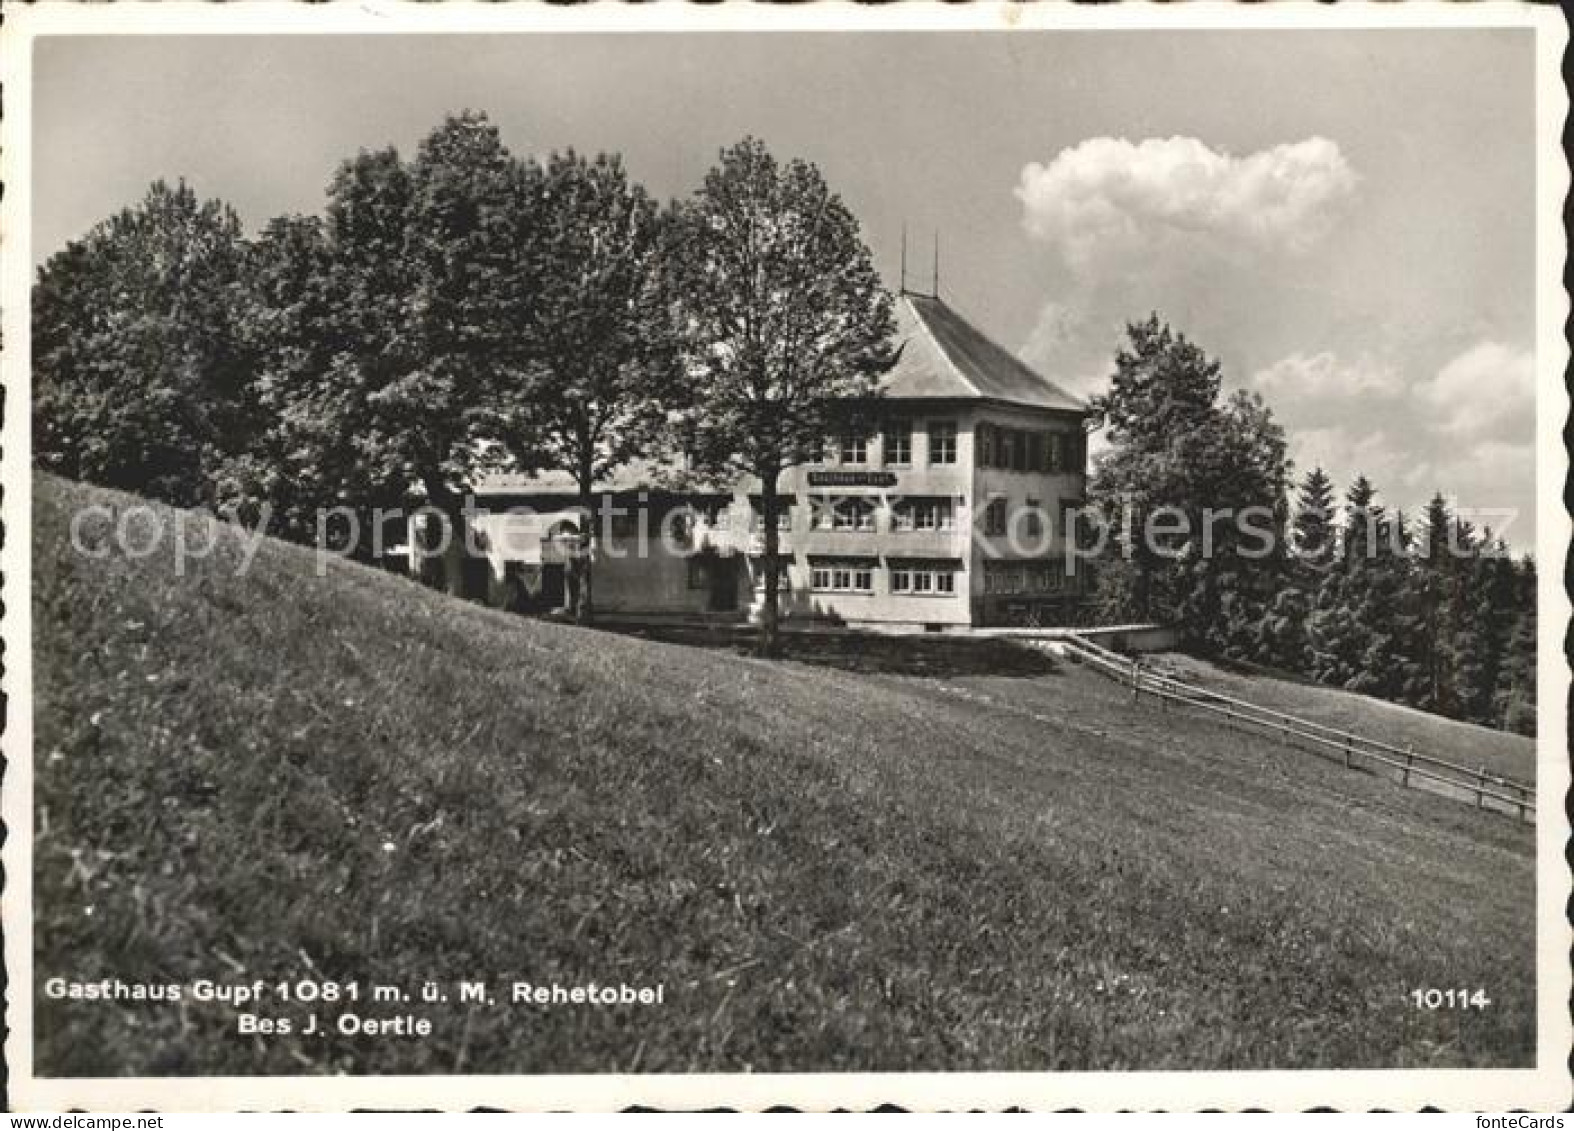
(954, 512)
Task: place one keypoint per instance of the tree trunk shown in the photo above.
(452, 576)
(584, 610)
(454, 562)
(770, 643)
(1142, 579)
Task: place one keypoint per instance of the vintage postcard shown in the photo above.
(946, 556)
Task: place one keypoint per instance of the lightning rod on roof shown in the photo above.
(935, 289)
(903, 288)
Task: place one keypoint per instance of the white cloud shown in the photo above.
(1360, 448)
(1057, 327)
(1107, 197)
(1073, 347)
(1321, 388)
(1468, 430)
(1494, 487)
(1486, 393)
(1210, 240)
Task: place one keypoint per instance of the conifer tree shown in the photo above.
(1176, 448)
(1316, 537)
(1284, 639)
(1438, 570)
(1514, 696)
(1484, 620)
(1337, 637)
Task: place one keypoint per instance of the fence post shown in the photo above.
(1481, 784)
(1409, 758)
(1347, 752)
(1136, 679)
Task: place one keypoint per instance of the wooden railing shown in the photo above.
(1503, 793)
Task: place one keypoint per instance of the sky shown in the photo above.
(1343, 218)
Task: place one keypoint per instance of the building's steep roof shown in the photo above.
(944, 356)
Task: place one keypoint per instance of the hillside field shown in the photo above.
(1496, 751)
(278, 776)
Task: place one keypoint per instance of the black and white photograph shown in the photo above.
(942, 556)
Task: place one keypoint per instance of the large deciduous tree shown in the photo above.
(597, 389)
(289, 318)
(782, 325)
(329, 309)
(394, 328)
(468, 299)
(140, 375)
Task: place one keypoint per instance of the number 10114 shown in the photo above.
(1450, 999)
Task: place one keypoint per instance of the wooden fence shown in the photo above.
(1356, 751)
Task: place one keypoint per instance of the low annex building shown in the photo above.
(952, 514)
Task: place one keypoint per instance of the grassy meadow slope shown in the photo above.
(1465, 744)
(284, 776)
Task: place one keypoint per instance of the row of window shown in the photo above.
(1018, 449)
(1011, 578)
(937, 580)
(921, 581)
(854, 514)
(924, 579)
(923, 514)
(848, 513)
(999, 447)
(1031, 519)
(896, 445)
(841, 579)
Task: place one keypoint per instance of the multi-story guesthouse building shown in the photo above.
(953, 513)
